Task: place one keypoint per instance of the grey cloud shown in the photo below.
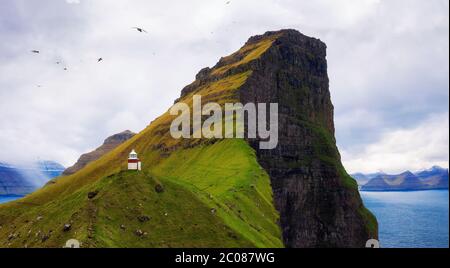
(388, 66)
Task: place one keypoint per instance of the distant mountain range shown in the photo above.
(22, 180)
(430, 179)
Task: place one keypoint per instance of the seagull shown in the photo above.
(35, 51)
(139, 29)
(99, 59)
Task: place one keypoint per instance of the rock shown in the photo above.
(67, 227)
(143, 218)
(45, 237)
(109, 144)
(122, 227)
(203, 73)
(92, 194)
(159, 188)
(139, 233)
(12, 236)
(311, 194)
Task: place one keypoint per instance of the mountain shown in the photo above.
(215, 192)
(109, 144)
(15, 180)
(434, 178)
(360, 178)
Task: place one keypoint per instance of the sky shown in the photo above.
(388, 64)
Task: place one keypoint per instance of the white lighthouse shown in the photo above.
(133, 161)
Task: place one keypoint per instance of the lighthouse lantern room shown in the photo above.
(133, 161)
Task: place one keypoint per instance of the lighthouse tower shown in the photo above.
(133, 161)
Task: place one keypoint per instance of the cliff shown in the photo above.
(318, 201)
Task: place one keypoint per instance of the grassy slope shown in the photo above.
(216, 194)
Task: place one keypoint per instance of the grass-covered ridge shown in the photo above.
(214, 196)
(215, 193)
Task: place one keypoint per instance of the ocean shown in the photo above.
(417, 219)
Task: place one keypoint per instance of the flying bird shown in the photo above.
(228, 2)
(140, 30)
(35, 51)
(99, 59)
(65, 68)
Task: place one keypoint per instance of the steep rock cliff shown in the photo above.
(318, 201)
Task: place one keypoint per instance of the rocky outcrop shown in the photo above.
(318, 201)
(109, 144)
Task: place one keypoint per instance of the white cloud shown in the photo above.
(414, 148)
(388, 65)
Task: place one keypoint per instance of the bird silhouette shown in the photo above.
(99, 59)
(139, 29)
(65, 68)
(35, 51)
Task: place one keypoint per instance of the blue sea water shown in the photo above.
(8, 198)
(416, 219)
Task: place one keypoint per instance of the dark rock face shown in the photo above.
(109, 144)
(318, 201)
(92, 194)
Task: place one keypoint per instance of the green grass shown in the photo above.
(178, 218)
(246, 54)
(215, 195)
(227, 177)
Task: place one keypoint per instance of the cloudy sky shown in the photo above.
(388, 66)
